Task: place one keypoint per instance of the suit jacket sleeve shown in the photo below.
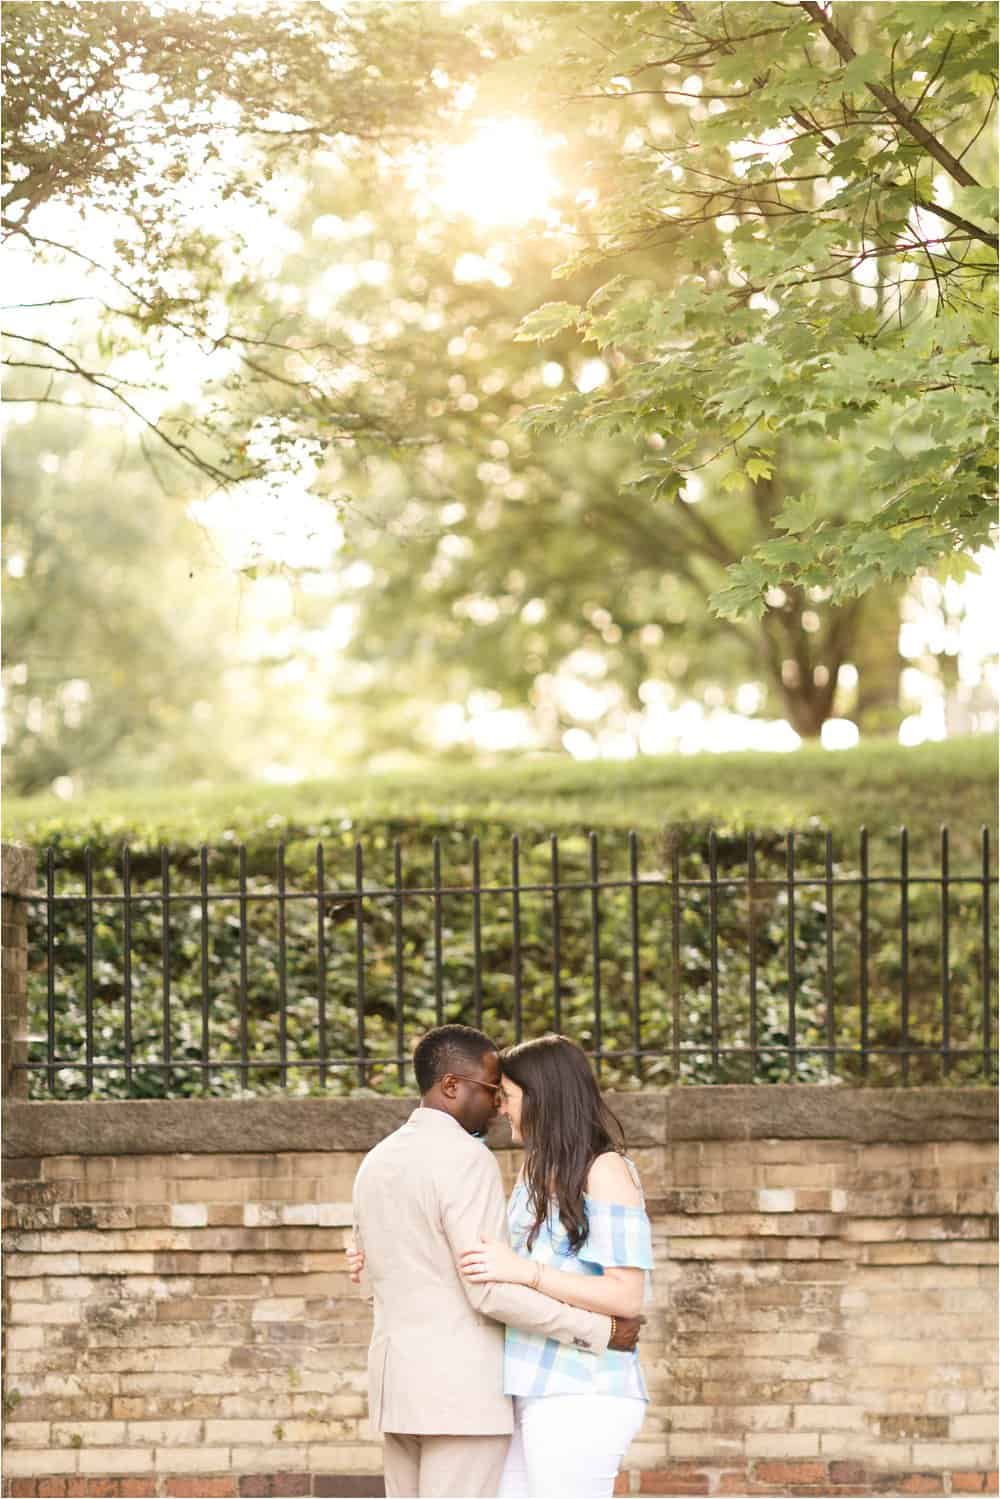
(472, 1204)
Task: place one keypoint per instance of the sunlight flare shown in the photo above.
(499, 177)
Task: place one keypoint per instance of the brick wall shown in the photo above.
(178, 1321)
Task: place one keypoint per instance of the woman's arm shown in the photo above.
(618, 1292)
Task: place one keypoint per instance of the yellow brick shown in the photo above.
(954, 1454)
(33, 1266)
(200, 1190)
(980, 1253)
(201, 1460)
(290, 1309)
(274, 1458)
(31, 1288)
(39, 1311)
(971, 1428)
(61, 1167)
(829, 1418)
(30, 1463)
(356, 1458)
(108, 1460)
(694, 1444)
(21, 1338)
(327, 1430)
(69, 1287)
(966, 1153)
(881, 1157)
(240, 1431)
(871, 1450)
(27, 1433)
(94, 1433)
(160, 1433)
(782, 1444)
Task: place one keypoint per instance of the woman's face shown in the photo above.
(510, 1107)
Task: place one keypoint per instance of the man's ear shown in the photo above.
(448, 1084)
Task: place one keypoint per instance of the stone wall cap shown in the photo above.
(18, 865)
(273, 1125)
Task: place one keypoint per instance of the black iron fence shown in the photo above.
(733, 959)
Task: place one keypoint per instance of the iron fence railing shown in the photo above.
(750, 959)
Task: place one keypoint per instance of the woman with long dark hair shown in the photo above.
(579, 1233)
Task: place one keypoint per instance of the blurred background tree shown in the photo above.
(288, 255)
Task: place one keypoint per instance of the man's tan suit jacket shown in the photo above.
(435, 1366)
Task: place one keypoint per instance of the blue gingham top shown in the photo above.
(616, 1235)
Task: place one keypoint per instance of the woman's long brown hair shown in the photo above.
(565, 1124)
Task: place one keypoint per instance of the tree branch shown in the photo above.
(899, 111)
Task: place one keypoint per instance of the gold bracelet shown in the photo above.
(614, 1324)
(537, 1278)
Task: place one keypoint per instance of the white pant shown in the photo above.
(568, 1446)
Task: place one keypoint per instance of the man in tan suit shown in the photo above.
(435, 1366)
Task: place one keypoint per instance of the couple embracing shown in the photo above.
(503, 1357)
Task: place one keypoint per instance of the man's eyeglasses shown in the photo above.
(495, 1088)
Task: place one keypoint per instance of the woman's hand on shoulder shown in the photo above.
(355, 1260)
(609, 1180)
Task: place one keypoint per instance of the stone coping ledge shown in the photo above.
(17, 868)
(272, 1125)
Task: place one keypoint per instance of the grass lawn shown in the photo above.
(880, 785)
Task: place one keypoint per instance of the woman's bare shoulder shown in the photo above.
(609, 1180)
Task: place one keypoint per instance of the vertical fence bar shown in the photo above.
(206, 1045)
(863, 949)
(675, 959)
(831, 1029)
(244, 1003)
(752, 943)
(438, 989)
(359, 954)
(477, 934)
(713, 945)
(945, 959)
(88, 977)
(397, 933)
(127, 958)
(633, 874)
(321, 962)
(50, 961)
(515, 895)
(165, 959)
(556, 940)
(793, 980)
(282, 970)
(987, 965)
(904, 953)
(595, 932)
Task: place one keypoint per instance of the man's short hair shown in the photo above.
(448, 1048)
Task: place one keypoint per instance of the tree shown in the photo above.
(817, 177)
(753, 357)
(488, 556)
(114, 650)
(150, 155)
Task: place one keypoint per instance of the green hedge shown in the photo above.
(879, 784)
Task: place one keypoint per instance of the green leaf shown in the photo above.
(546, 321)
(868, 68)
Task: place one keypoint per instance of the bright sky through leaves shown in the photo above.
(499, 177)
